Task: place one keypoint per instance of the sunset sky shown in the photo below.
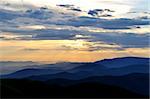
(50, 31)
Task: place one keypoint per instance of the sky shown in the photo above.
(51, 31)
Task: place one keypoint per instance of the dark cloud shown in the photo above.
(122, 23)
(100, 12)
(8, 15)
(126, 40)
(44, 16)
(65, 5)
(54, 34)
(41, 13)
(76, 9)
(48, 16)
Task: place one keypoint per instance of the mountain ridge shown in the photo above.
(98, 67)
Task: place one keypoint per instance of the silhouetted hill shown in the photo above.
(137, 82)
(93, 70)
(29, 72)
(34, 89)
(129, 74)
(64, 75)
(122, 62)
(114, 67)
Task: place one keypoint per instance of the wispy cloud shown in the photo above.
(71, 29)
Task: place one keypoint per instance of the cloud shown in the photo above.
(122, 23)
(127, 40)
(49, 16)
(39, 13)
(8, 15)
(31, 49)
(13, 36)
(48, 24)
(101, 12)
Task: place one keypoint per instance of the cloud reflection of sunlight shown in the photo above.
(63, 50)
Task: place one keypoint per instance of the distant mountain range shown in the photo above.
(114, 67)
(129, 73)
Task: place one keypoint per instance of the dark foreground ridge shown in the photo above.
(22, 88)
(126, 77)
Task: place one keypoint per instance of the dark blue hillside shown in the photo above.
(114, 67)
(136, 82)
(122, 62)
(129, 73)
(30, 72)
